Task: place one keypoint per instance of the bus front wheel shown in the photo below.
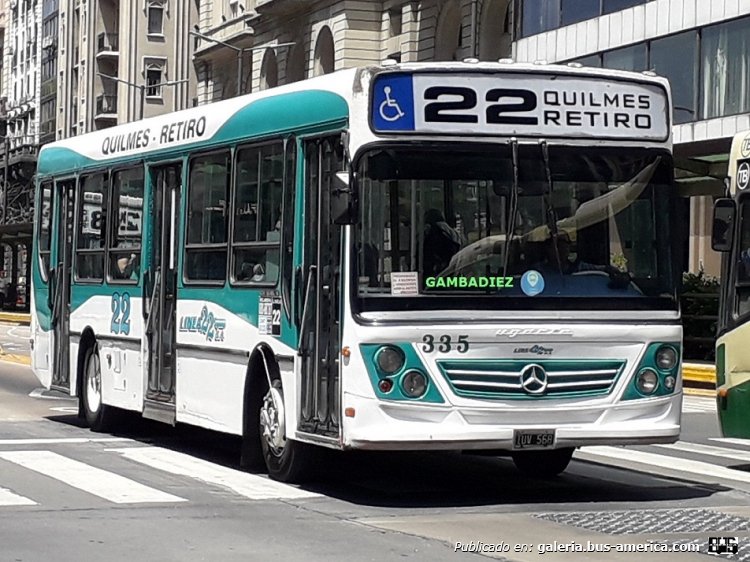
(287, 460)
(98, 415)
(543, 464)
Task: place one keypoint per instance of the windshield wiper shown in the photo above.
(511, 230)
(550, 209)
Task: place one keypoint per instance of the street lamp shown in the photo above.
(240, 53)
(143, 87)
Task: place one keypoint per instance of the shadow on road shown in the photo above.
(426, 479)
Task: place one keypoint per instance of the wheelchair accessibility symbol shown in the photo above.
(390, 110)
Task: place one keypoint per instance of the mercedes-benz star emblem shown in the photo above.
(534, 379)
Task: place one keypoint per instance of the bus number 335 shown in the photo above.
(445, 344)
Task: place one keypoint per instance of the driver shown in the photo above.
(558, 260)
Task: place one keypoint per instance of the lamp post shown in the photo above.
(143, 87)
(240, 53)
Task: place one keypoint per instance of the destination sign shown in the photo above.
(505, 104)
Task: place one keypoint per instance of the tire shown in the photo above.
(252, 458)
(286, 460)
(543, 464)
(99, 417)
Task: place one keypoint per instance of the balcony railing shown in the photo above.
(106, 104)
(106, 42)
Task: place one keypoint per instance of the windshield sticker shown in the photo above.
(460, 282)
(532, 283)
(405, 283)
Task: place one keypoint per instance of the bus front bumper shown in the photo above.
(398, 426)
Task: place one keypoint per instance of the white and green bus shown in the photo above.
(458, 256)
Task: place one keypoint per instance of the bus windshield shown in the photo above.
(550, 226)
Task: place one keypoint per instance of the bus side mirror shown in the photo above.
(723, 225)
(343, 201)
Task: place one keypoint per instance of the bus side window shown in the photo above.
(45, 228)
(125, 242)
(208, 192)
(742, 276)
(92, 227)
(256, 237)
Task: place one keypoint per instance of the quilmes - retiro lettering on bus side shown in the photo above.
(170, 133)
(469, 282)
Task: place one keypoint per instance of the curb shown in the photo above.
(699, 374)
(17, 359)
(15, 317)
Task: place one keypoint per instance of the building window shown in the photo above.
(206, 245)
(573, 11)
(155, 18)
(395, 21)
(675, 58)
(153, 81)
(609, 6)
(539, 16)
(257, 214)
(127, 230)
(634, 58)
(725, 62)
(594, 61)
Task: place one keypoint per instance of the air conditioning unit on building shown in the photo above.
(11, 50)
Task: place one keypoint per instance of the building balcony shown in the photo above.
(107, 46)
(106, 107)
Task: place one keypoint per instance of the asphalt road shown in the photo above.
(152, 492)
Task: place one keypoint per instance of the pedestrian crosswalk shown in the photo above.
(98, 478)
(121, 471)
(698, 405)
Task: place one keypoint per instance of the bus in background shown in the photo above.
(731, 236)
(457, 256)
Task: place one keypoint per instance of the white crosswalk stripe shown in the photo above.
(102, 483)
(9, 498)
(698, 404)
(244, 484)
(655, 463)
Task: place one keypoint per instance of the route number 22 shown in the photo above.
(120, 314)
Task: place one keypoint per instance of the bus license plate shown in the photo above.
(533, 439)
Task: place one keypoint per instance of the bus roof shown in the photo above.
(278, 111)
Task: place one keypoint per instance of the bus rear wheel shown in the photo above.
(98, 415)
(543, 464)
(287, 460)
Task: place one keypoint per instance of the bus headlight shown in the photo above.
(646, 381)
(669, 383)
(666, 358)
(389, 359)
(414, 384)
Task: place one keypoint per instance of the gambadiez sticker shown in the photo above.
(269, 315)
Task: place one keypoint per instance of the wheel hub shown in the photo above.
(272, 422)
(93, 385)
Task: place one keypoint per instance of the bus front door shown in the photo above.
(65, 192)
(160, 292)
(318, 292)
